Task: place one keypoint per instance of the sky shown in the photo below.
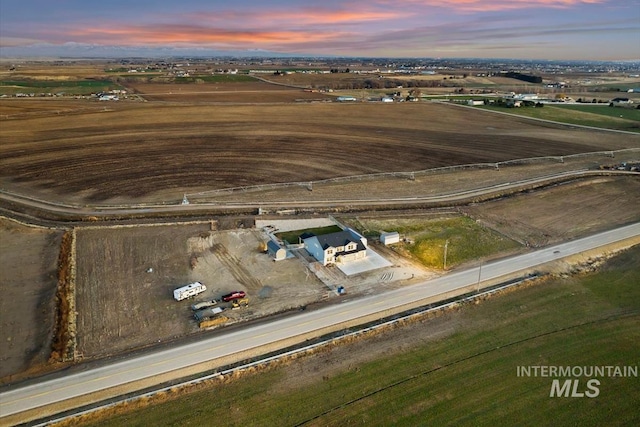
(518, 29)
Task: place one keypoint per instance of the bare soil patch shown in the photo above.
(28, 258)
(564, 212)
(428, 184)
(241, 92)
(126, 276)
(23, 108)
(137, 152)
(120, 305)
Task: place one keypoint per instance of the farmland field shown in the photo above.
(28, 282)
(220, 91)
(134, 152)
(459, 368)
(598, 115)
(68, 87)
(561, 213)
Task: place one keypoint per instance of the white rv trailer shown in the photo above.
(189, 290)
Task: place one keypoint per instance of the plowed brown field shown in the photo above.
(239, 92)
(141, 151)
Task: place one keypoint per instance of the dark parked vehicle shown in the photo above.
(233, 295)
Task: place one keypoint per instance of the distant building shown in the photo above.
(104, 97)
(525, 96)
(618, 101)
(389, 238)
(340, 247)
(346, 99)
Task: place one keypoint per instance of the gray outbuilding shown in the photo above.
(389, 238)
(276, 251)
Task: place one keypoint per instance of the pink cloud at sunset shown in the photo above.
(308, 16)
(490, 5)
(196, 35)
(541, 28)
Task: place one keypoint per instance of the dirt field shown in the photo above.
(428, 184)
(564, 212)
(192, 148)
(28, 286)
(241, 92)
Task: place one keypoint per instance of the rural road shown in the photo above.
(61, 387)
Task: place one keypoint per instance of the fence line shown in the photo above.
(408, 175)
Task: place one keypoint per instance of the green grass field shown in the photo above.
(601, 116)
(467, 378)
(70, 87)
(467, 239)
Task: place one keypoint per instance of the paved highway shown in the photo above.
(21, 399)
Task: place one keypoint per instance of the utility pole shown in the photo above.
(479, 275)
(446, 246)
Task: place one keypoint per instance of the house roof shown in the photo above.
(306, 235)
(341, 238)
(389, 233)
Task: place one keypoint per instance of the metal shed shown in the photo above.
(276, 251)
(389, 238)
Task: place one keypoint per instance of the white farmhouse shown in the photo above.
(340, 247)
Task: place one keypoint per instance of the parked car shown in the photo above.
(234, 295)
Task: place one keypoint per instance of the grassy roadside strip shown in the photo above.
(468, 377)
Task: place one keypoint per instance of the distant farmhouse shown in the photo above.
(340, 247)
